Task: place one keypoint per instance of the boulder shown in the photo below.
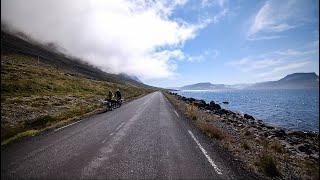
(201, 104)
(223, 111)
(214, 106)
(279, 133)
(247, 116)
(306, 148)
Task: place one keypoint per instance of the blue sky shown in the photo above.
(250, 42)
(171, 43)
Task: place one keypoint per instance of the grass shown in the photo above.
(41, 121)
(211, 131)
(312, 169)
(199, 118)
(276, 146)
(245, 145)
(267, 165)
(35, 96)
(31, 132)
(267, 157)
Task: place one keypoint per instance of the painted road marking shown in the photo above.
(176, 113)
(66, 126)
(120, 126)
(205, 154)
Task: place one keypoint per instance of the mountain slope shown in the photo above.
(49, 55)
(291, 81)
(41, 88)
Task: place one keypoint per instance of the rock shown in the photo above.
(214, 106)
(266, 134)
(247, 116)
(279, 133)
(201, 103)
(306, 148)
(223, 111)
(269, 127)
(217, 107)
(293, 141)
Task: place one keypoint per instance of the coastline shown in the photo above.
(294, 152)
(291, 109)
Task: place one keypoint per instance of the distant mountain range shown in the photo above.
(203, 86)
(291, 81)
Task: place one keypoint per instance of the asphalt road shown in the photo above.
(143, 139)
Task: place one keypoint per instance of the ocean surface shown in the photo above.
(296, 109)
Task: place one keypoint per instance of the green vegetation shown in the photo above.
(40, 121)
(20, 135)
(35, 95)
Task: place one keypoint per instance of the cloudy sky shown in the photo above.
(178, 42)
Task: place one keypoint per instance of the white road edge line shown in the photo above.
(107, 138)
(120, 126)
(206, 154)
(176, 113)
(66, 126)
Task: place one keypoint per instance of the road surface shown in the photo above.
(143, 139)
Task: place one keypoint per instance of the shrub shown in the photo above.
(41, 121)
(245, 145)
(211, 131)
(247, 133)
(277, 146)
(268, 166)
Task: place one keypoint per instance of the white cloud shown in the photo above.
(271, 65)
(285, 69)
(251, 63)
(208, 3)
(206, 55)
(221, 14)
(276, 17)
(255, 38)
(115, 35)
(291, 52)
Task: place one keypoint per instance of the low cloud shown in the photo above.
(119, 36)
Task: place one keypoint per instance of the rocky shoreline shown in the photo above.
(305, 144)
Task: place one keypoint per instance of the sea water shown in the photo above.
(296, 109)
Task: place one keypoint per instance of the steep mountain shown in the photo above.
(49, 54)
(291, 81)
(42, 87)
